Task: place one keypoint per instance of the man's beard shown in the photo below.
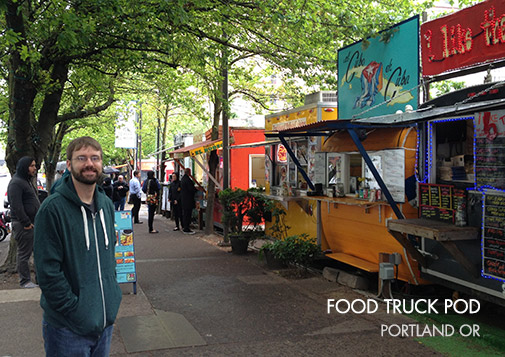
(83, 179)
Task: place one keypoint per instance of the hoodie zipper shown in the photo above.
(99, 271)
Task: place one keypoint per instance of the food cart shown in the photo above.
(449, 227)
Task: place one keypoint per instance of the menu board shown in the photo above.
(437, 202)
(490, 149)
(391, 167)
(125, 251)
(493, 235)
(320, 168)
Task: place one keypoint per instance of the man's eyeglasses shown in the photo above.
(83, 159)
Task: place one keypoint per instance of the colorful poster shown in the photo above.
(125, 249)
(380, 75)
(466, 38)
(489, 149)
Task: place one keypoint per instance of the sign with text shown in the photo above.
(437, 202)
(206, 148)
(489, 149)
(380, 70)
(493, 239)
(466, 38)
(125, 250)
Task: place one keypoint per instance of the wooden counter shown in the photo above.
(431, 229)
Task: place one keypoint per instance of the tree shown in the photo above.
(43, 43)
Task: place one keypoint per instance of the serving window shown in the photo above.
(451, 146)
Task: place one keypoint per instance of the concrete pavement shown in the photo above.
(197, 299)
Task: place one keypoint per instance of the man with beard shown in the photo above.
(74, 259)
(24, 203)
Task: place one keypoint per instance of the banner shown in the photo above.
(126, 136)
(380, 70)
(469, 37)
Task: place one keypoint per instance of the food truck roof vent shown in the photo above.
(321, 96)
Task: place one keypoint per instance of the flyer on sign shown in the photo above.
(125, 250)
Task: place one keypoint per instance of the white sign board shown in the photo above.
(126, 137)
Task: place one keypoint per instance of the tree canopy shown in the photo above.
(63, 60)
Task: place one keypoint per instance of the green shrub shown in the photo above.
(296, 249)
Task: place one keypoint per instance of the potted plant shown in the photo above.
(243, 213)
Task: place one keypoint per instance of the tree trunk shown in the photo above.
(9, 266)
(211, 193)
(53, 154)
(213, 163)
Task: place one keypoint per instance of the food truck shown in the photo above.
(421, 187)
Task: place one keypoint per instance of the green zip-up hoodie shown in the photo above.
(74, 258)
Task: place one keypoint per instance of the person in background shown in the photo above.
(119, 193)
(24, 202)
(75, 259)
(151, 188)
(136, 196)
(107, 187)
(188, 191)
(174, 195)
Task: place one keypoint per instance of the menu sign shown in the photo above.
(125, 251)
(437, 202)
(490, 149)
(493, 237)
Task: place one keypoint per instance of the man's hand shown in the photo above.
(29, 227)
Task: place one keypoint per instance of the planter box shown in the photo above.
(239, 245)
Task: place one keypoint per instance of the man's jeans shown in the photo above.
(63, 342)
(119, 205)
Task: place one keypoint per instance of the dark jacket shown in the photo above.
(23, 197)
(188, 191)
(119, 193)
(107, 187)
(174, 192)
(75, 261)
(151, 186)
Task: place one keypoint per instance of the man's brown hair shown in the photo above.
(83, 141)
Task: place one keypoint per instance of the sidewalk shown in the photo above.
(197, 299)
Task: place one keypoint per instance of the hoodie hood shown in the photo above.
(22, 167)
(67, 190)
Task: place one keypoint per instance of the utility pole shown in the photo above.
(139, 141)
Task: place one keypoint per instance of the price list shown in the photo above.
(489, 159)
(493, 237)
(436, 202)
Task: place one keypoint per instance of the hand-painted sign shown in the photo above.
(207, 148)
(380, 75)
(468, 37)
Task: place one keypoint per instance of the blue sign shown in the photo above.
(125, 250)
(380, 75)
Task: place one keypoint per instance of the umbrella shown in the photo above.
(110, 170)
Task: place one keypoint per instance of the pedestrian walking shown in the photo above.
(188, 191)
(136, 196)
(74, 257)
(24, 202)
(120, 189)
(151, 188)
(174, 195)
